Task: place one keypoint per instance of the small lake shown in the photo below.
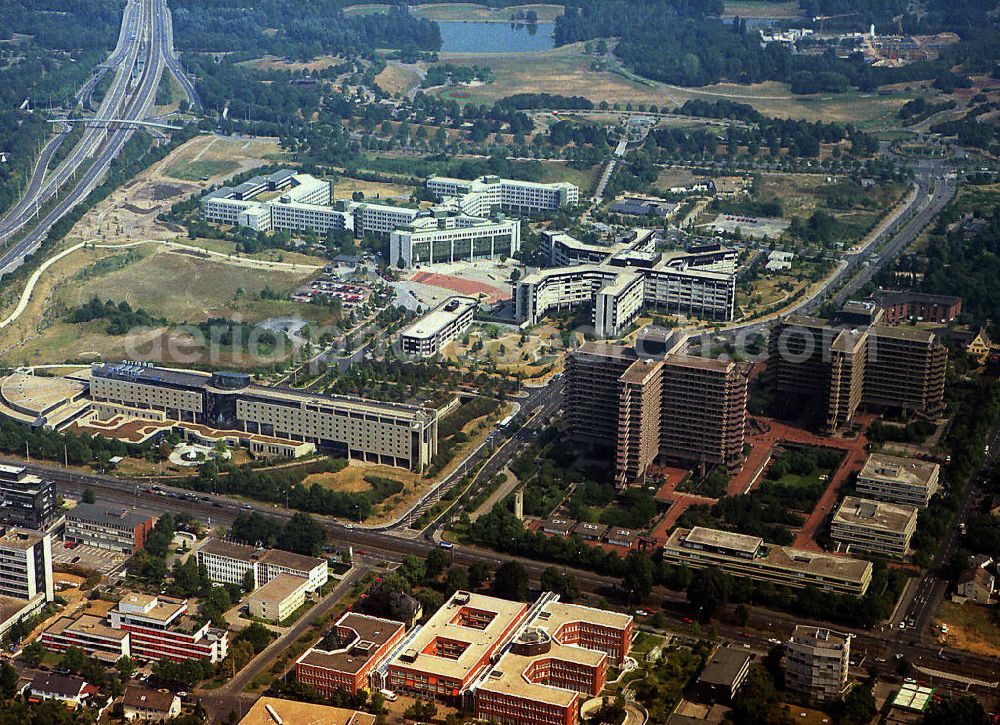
(476, 37)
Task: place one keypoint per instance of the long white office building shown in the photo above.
(489, 194)
(442, 239)
(449, 320)
(240, 206)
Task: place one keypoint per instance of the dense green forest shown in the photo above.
(295, 29)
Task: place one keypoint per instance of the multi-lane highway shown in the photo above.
(144, 49)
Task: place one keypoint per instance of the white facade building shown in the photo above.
(507, 194)
(444, 239)
(428, 335)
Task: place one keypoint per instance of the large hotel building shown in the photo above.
(373, 431)
(748, 556)
(857, 360)
(679, 407)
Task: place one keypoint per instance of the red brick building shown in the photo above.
(346, 657)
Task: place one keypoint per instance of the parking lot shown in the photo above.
(87, 557)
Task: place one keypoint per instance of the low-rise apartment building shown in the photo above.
(140, 703)
(448, 321)
(117, 529)
(348, 656)
(895, 479)
(228, 563)
(874, 526)
(142, 627)
(277, 600)
(816, 663)
(748, 556)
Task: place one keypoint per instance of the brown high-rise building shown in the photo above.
(591, 400)
(640, 393)
(679, 407)
(845, 365)
(704, 410)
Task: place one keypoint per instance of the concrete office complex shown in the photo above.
(620, 280)
(452, 238)
(277, 600)
(142, 627)
(490, 194)
(26, 500)
(466, 226)
(675, 408)
(748, 556)
(873, 526)
(816, 663)
(895, 479)
(446, 322)
(349, 655)
(228, 563)
(373, 431)
(513, 663)
(116, 529)
(857, 361)
(238, 205)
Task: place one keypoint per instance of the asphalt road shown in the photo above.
(131, 97)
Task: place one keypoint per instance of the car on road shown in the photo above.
(247, 507)
(687, 620)
(642, 612)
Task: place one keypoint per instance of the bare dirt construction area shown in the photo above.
(971, 627)
(130, 212)
(345, 186)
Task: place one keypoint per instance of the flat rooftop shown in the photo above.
(279, 588)
(508, 676)
(446, 625)
(725, 666)
(163, 609)
(896, 469)
(87, 624)
(556, 615)
(21, 539)
(779, 557)
(439, 318)
(98, 514)
(818, 636)
(855, 511)
(350, 658)
(701, 536)
(290, 712)
(275, 557)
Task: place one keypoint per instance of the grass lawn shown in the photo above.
(195, 170)
(566, 70)
(586, 179)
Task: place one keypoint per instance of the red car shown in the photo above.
(687, 620)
